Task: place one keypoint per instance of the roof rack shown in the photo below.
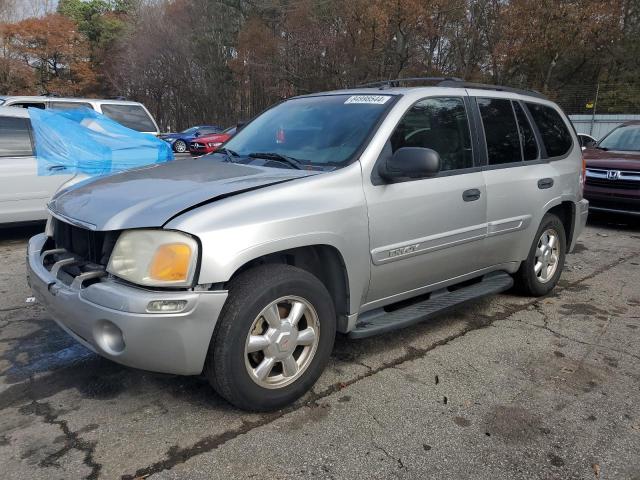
(484, 86)
(382, 84)
(452, 82)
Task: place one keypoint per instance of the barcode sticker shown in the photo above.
(371, 99)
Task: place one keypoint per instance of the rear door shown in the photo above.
(521, 177)
(23, 194)
(429, 230)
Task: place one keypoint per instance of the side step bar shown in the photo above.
(378, 321)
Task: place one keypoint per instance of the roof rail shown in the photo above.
(485, 86)
(382, 84)
(452, 82)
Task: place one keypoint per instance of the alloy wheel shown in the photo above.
(282, 342)
(547, 256)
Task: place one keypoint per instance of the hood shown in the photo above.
(215, 137)
(612, 159)
(151, 196)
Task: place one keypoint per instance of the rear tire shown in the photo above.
(540, 272)
(257, 332)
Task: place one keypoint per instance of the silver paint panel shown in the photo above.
(150, 196)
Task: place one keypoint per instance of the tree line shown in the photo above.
(195, 61)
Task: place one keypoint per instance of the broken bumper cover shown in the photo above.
(111, 319)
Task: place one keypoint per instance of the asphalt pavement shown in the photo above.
(507, 388)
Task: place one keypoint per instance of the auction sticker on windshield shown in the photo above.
(375, 99)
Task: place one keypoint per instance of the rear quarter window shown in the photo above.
(131, 116)
(555, 135)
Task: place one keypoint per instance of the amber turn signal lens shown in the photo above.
(171, 263)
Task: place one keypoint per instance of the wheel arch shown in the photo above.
(323, 261)
(566, 212)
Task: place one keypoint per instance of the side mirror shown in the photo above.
(196, 134)
(590, 143)
(410, 162)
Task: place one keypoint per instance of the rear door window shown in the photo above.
(527, 137)
(15, 137)
(500, 130)
(555, 135)
(69, 105)
(131, 116)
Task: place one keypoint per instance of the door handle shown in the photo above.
(471, 195)
(544, 183)
(56, 167)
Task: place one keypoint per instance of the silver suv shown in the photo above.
(356, 211)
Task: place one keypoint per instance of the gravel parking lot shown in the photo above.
(508, 387)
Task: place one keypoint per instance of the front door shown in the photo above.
(429, 230)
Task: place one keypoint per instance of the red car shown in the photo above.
(210, 143)
(612, 181)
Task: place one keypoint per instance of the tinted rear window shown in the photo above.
(554, 132)
(501, 130)
(69, 105)
(15, 139)
(132, 116)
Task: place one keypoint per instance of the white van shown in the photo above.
(133, 115)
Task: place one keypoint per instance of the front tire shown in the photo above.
(273, 338)
(180, 146)
(540, 272)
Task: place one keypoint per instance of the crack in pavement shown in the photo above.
(582, 342)
(73, 441)
(398, 460)
(175, 455)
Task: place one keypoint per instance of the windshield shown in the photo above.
(324, 130)
(189, 130)
(622, 138)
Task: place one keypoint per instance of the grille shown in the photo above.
(625, 184)
(94, 247)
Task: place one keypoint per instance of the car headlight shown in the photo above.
(159, 258)
(214, 144)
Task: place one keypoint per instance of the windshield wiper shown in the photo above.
(278, 157)
(228, 153)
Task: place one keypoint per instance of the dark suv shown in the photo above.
(613, 171)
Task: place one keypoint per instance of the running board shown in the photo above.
(378, 321)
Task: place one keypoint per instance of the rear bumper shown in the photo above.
(579, 221)
(111, 319)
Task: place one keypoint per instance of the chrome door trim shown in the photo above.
(419, 246)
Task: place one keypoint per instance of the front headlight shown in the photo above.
(214, 144)
(159, 258)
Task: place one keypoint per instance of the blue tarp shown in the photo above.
(84, 141)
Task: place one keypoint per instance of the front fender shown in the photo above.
(327, 209)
